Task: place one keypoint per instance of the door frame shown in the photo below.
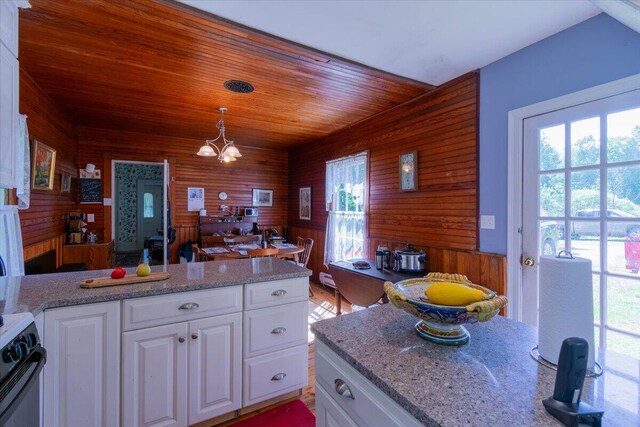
(514, 172)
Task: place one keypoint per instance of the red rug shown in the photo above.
(291, 414)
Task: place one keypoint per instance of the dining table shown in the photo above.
(240, 251)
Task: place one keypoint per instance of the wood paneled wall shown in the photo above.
(442, 127)
(44, 219)
(257, 168)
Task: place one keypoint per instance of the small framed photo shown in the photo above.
(409, 171)
(43, 166)
(262, 197)
(305, 203)
(65, 183)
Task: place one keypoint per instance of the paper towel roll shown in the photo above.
(565, 305)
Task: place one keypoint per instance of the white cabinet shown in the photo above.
(182, 373)
(82, 373)
(8, 117)
(154, 376)
(9, 94)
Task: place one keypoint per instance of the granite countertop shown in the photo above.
(490, 381)
(39, 292)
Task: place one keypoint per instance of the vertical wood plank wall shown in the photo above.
(44, 220)
(257, 168)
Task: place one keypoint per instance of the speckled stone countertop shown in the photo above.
(492, 381)
(39, 292)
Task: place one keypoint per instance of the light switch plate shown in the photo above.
(107, 201)
(91, 217)
(487, 222)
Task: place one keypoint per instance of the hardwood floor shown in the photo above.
(322, 305)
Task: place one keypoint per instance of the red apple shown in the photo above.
(118, 273)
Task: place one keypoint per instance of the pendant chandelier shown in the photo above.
(229, 152)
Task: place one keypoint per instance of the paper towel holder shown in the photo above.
(535, 355)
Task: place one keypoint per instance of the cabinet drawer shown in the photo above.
(275, 328)
(164, 309)
(273, 374)
(267, 294)
(363, 401)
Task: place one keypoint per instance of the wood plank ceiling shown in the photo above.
(158, 67)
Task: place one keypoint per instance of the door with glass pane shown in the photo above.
(581, 193)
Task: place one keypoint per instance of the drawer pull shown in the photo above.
(278, 293)
(181, 339)
(189, 306)
(343, 389)
(279, 331)
(278, 377)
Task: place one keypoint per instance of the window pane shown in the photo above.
(552, 194)
(585, 193)
(552, 148)
(623, 247)
(148, 205)
(585, 142)
(623, 344)
(623, 191)
(551, 237)
(623, 136)
(623, 299)
(585, 241)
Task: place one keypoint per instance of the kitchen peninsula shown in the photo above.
(214, 339)
(372, 369)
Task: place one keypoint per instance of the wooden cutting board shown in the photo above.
(100, 282)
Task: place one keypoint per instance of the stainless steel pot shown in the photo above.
(409, 260)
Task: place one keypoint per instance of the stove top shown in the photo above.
(13, 325)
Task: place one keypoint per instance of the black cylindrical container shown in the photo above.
(386, 259)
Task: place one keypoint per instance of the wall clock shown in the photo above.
(222, 195)
(409, 171)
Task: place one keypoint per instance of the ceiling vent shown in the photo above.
(238, 86)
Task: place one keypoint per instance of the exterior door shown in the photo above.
(149, 210)
(154, 376)
(581, 192)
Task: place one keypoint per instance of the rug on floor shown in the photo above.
(291, 414)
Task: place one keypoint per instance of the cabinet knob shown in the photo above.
(278, 377)
(181, 339)
(189, 306)
(343, 389)
(279, 331)
(194, 336)
(278, 292)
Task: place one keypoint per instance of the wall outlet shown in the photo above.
(91, 217)
(487, 222)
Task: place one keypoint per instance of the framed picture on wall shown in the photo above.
(65, 183)
(43, 166)
(305, 203)
(262, 197)
(409, 171)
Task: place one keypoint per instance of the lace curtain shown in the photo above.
(345, 198)
(11, 241)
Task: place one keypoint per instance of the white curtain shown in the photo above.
(345, 197)
(11, 241)
(625, 11)
(23, 164)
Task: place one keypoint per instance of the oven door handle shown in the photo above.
(39, 356)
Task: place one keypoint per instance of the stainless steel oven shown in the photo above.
(21, 361)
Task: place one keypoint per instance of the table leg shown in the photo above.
(338, 302)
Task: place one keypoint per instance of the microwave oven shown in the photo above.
(251, 211)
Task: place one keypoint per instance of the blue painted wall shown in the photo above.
(593, 52)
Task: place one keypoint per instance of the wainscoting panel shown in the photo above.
(44, 246)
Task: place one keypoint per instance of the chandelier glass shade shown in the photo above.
(228, 152)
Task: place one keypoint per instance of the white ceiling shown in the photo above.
(431, 41)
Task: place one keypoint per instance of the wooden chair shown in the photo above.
(198, 254)
(262, 253)
(307, 244)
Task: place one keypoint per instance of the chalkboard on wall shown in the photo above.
(90, 190)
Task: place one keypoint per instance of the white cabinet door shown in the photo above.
(8, 116)
(215, 366)
(154, 376)
(81, 377)
(329, 413)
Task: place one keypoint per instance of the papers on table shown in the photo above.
(284, 245)
(216, 250)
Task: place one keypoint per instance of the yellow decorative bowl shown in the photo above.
(442, 324)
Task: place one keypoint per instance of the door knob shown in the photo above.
(528, 261)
